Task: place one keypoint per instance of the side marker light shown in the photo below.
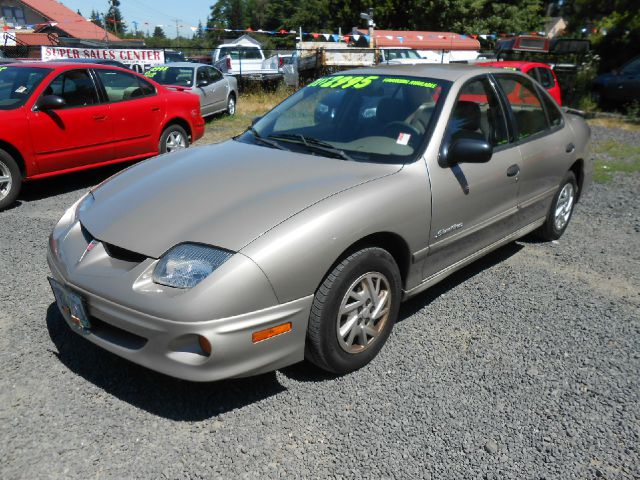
(261, 335)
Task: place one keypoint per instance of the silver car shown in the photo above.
(218, 92)
(300, 238)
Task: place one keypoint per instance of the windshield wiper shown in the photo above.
(266, 141)
(311, 142)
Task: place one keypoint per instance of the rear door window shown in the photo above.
(545, 77)
(121, 86)
(525, 103)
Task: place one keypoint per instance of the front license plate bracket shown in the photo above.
(71, 305)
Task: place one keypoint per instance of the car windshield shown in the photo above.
(180, 76)
(402, 53)
(378, 118)
(17, 84)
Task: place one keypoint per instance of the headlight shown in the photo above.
(186, 265)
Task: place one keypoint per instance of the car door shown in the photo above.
(220, 90)
(544, 143)
(137, 112)
(76, 135)
(473, 204)
(206, 90)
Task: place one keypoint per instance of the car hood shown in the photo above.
(224, 195)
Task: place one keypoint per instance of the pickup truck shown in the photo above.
(247, 62)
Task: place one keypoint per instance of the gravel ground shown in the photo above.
(524, 365)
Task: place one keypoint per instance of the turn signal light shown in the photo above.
(271, 332)
(205, 345)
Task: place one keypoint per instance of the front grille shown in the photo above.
(123, 254)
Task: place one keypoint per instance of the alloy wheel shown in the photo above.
(175, 141)
(363, 312)
(564, 206)
(6, 181)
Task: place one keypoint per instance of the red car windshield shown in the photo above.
(17, 84)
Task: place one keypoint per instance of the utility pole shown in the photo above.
(177, 20)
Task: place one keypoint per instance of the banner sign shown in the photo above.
(138, 60)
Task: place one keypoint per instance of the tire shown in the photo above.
(10, 180)
(173, 138)
(231, 105)
(358, 345)
(561, 209)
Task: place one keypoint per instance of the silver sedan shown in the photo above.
(218, 92)
(300, 238)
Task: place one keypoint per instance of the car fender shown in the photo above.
(298, 253)
(16, 140)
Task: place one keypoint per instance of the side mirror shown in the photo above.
(255, 120)
(466, 147)
(51, 102)
(203, 83)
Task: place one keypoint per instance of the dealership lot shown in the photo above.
(523, 365)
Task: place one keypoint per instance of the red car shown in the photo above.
(59, 118)
(539, 71)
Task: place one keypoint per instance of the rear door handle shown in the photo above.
(155, 109)
(513, 170)
(99, 118)
(570, 148)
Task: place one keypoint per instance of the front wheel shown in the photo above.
(173, 138)
(231, 105)
(561, 209)
(354, 311)
(10, 180)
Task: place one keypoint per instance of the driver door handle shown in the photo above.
(513, 170)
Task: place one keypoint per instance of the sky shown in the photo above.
(154, 12)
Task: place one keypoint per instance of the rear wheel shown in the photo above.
(10, 180)
(173, 138)
(561, 209)
(354, 311)
(231, 105)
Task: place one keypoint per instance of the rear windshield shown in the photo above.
(180, 76)
(17, 84)
(401, 53)
(245, 53)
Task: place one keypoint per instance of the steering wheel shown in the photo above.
(392, 130)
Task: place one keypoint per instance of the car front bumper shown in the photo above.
(171, 347)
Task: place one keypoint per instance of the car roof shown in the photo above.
(513, 64)
(442, 71)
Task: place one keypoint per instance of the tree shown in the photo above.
(95, 18)
(113, 18)
(199, 33)
(613, 26)
(228, 14)
(158, 32)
